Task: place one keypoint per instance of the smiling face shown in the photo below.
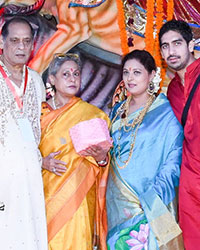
(136, 77)
(176, 51)
(67, 79)
(17, 46)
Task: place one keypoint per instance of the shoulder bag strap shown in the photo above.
(189, 100)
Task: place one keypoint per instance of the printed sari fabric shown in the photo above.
(141, 196)
(75, 202)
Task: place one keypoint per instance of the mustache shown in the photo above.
(173, 56)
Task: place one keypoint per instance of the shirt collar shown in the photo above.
(193, 66)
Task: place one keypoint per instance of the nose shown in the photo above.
(72, 78)
(171, 50)
(21, 45)
(130, 76)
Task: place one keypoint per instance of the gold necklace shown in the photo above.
(134, 126)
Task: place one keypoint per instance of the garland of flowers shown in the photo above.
(170, 9)
(149, 38)
(122, 27)
(170, 13)
(153, 27)
(159, 23)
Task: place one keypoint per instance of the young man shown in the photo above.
(176, 43)
(22, 215)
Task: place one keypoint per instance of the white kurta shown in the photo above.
(22, 222)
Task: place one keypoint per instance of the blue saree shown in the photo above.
(141, 196)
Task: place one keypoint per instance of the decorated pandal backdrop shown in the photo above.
(101, 32)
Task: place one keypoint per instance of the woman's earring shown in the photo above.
(50, 91)
(154, 84)
(151, 88)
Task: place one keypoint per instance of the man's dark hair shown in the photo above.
(142, 56)
(179, 26)
(16, 19)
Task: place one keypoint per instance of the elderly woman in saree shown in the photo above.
(145, 163)
(74, 186)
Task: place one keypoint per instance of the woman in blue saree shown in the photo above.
(145, 163)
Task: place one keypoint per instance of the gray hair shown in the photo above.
(59, 59)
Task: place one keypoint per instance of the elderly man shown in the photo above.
(22, 213)
(176, 43)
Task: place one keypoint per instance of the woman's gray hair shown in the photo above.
(59, 59)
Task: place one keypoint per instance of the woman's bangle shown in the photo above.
(103, 163)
